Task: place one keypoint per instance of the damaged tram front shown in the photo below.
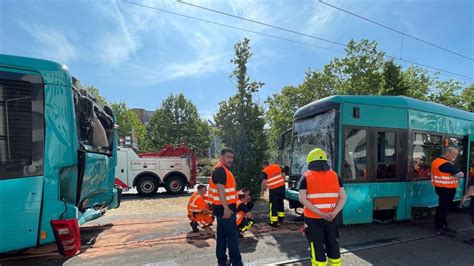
(57, 153)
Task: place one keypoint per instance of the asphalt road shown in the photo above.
(155, 231)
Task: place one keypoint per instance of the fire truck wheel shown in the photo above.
(147, 186)
(175, 185)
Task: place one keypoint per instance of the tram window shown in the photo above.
(426, 147)
(386, 155)
(355, 155)
(21, 126)
(458, 143)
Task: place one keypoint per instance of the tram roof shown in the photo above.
(52, 72)
(389, 101)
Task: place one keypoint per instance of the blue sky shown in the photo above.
(140, 56)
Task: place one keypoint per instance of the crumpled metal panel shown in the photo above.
(97, 184)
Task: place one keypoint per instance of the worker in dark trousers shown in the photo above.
(223, 195)
(244, 216)
(273, 178)
(248, 198)
(323, 197)
(444, 177)
(470, 194)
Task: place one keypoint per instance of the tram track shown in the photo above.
(375, 245)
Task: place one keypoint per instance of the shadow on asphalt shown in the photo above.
(200, 238)
(248, 244)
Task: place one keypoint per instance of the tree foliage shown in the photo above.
(240, 121)
(364, 70)
(177, 122)
(128, 123)
(95, 92)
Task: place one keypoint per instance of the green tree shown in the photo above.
(467, 97)
(359, 72)
(128, 123)
(177, 122)
(240, 121)
(418, 82)
(448, 93)
(95, 92)
(392, 80)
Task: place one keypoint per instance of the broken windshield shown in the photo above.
(314, 132)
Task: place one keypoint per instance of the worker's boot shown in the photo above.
(449, 232)
(194, 226)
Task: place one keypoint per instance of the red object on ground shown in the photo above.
(178, 150)
(67, 235)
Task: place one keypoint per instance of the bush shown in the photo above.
(205, 166)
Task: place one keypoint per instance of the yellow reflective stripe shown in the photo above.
(443, 177)
(276, 182)
(313, 254)
(335, 262)
(322, 195)
(325, 206)
(274, 178)
(231, 197)
(232, 189)
(281, 214)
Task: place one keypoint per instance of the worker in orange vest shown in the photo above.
(273, 178)
(444, 178)
(323, 197)
(223, 195)
(199, 212)
(243, 215)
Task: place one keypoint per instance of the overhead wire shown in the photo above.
(233, 27)
(441, 71)
(264, 24)
(397, 31)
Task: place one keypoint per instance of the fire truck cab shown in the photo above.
(173, 167)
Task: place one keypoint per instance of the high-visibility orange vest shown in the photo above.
(196, 203)
(230, 191)
(442, 179)
(239, 214)
(276, 178)
(322, 191)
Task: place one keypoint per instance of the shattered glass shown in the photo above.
(310, 133)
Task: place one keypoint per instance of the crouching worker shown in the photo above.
(199, 212)
(323, 197)
(244, 217)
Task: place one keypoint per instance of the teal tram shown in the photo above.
(57, 152)
(382, 148)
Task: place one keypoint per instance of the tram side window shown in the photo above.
(386, 155)
(355, 155)
(426, 147)
(21, 127)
